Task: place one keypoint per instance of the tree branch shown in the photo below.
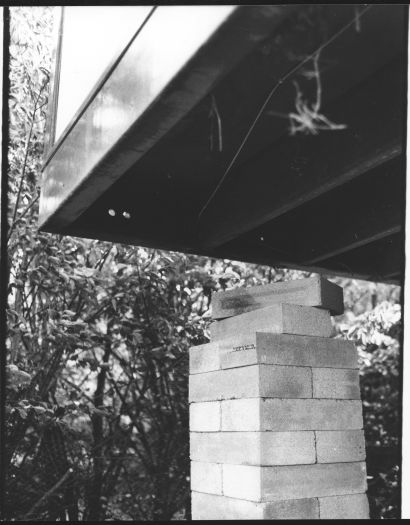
(47, 495)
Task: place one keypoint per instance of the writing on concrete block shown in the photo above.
(289, 349)
(242, 348)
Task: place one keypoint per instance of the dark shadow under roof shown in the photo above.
(330, 202)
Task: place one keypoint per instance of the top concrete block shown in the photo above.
(314, 291)
(278, 318)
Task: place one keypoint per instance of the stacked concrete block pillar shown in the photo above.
(276, 426)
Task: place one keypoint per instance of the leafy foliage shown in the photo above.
(373, 321)
(98, 338)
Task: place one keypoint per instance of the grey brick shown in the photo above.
(291, 414)
(225, 384)
(279, 318)
(288, 349)
(253, 448)
(292, 509)
(251, 381)
(314, 291)
(306, 481)
(310, 414)
(293, 482)
(241, 414)
(213, 507)
(205, 417)
(354, 506)
(338, 446)
(206, 477)
(336, 383)
(204, 358)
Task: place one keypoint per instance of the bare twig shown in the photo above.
(262, 108)
(214, 113)
(26, 153)
(47, 494)
(101, 262)
(76, 387)
(33, 201)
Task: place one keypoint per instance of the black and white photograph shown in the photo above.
(203, 258)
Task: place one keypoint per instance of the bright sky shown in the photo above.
(93, 37)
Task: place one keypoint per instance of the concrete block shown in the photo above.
(304, 481)
(225, 384)
(293, 482)
(242, 352)
(354, 506)
(211, 507)
(279, 318)
(293, 509)
(206, 477)
(310, 414)
(314, 291)
(205, 417)
(241, 414)
(288, 349)
(303, 350)
(243, 481)
(332, 383)
(340, 446)
(204, 358)
(254, 448)
(251, 381)
(284, 381)
(243, 448)
(291, 414)
(287, 448)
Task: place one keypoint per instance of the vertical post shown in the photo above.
(276, 426)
